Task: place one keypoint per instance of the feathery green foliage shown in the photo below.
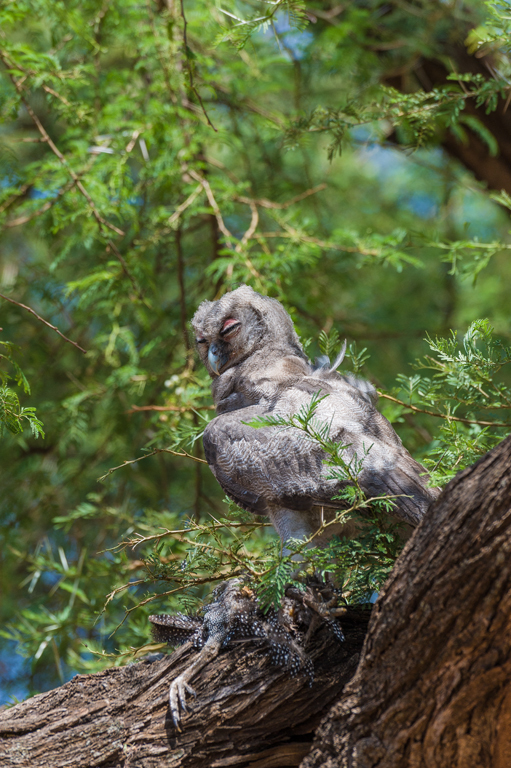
(156, 154)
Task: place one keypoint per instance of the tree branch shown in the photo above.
(42, 320)
(447, 416)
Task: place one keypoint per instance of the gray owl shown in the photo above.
(250, 348)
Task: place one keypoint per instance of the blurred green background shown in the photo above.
(153, 156)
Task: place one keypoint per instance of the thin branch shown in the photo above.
(174, 408)
(42, 320)
(182, 208)
(181, 284)
(264, 203)
(252, 228)
(11, 200)
(102, 222)
(132, 141)
(189, 67)
(182, 454)
(160, 54)
(295, 235)
(46, 207)
(213, 203)
(135, 542)
(196, 583)
(111, 246)
(57, 95)
(447, 416)
(244, 240)
(243, 101)
(221, 225)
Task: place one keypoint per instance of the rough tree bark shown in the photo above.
(432, 686)
(247, 713)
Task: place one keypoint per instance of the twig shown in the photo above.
(264, 203)
(221, 224)
(42, 320)
(132, 141)
(181, 284)
(213, 203)
(189, 67)
(13, 199)
(135, 542)
(57, 95)
(181, 208)
(126, 270)
(46, 207)
(252, 228)
(447, 416)
(244, 240)
(250, 104)
(159, 52)
(182, 454)
(174, 408)
(294, 234)
(196, 583)
(102, 222)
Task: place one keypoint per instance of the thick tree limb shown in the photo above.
(247, 713)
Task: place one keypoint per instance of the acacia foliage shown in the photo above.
(150, 159)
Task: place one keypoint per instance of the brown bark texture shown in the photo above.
(246, 713)
(433, 686)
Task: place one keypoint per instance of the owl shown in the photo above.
(259, 369)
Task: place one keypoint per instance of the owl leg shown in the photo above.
(291, 524)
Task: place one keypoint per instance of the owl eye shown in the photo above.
(201, 341)
(230, 327)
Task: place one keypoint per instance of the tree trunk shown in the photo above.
(432, 687)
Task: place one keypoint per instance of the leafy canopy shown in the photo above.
(155, 154)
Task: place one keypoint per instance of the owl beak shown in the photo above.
(217, 359)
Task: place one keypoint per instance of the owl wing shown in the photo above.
(277, 466)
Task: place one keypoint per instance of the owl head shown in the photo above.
(230, 330)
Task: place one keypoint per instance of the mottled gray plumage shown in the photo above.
(251, 350)
(234, 615)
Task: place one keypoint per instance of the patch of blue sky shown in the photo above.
(421, 204)
(296, 41)
(43, 194)
(15, 672)
(473, 212)
(14, 669)
(480, 218)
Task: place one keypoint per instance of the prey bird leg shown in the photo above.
(180, 686)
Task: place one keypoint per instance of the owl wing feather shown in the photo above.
(280, 466)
